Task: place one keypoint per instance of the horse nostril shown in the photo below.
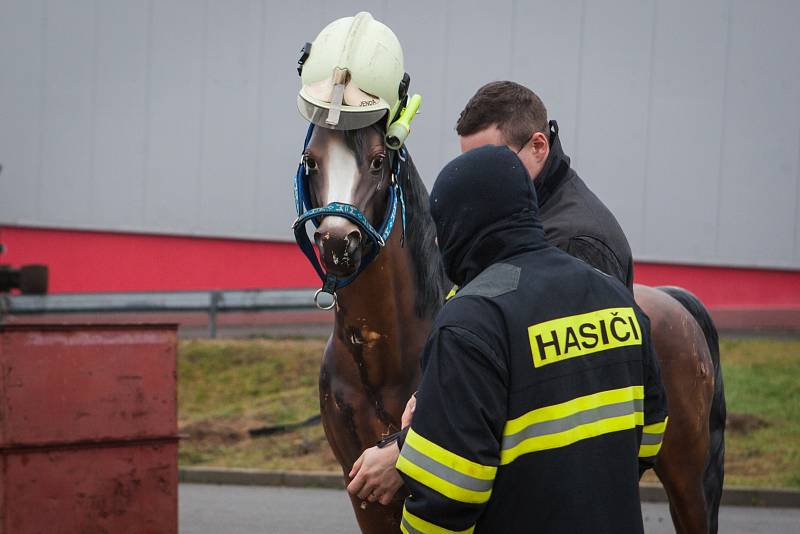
(353, 241)
(318, 241)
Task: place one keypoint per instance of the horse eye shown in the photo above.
(377, 163)
(311, 163)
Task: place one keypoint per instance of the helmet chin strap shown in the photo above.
(377, 237)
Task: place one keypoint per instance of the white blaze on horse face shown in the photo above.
(342, 172)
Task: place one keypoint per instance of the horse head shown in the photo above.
(349, 168)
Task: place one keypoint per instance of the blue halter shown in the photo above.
(378, 238)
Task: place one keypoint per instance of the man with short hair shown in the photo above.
(574, 219)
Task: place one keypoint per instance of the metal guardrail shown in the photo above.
(211, 302)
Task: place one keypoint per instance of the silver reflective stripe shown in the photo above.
(409, 528)
(442, 471)
(652, 439)
(555, 426)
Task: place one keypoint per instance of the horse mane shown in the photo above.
(431, 281)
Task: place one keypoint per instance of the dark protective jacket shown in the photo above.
(540, 389)
(578, 222)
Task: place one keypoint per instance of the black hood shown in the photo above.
(555, 170)
(485, 210)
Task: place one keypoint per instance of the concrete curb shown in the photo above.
(260, 477)
(650, 492)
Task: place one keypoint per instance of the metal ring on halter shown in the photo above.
(321, 307)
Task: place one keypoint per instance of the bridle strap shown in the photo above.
(377, 238)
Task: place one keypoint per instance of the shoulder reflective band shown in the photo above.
(451, 475)
(563, 424)
(652, 437)
(411, 524)
(578, 335)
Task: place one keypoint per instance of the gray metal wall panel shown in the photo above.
(685, 130)
(613, 106)
(179, 116)
(796, 261)
(176, 96)
(546, 56)
(21, 60)
(425, 49)
(281, 130)
(478, 49)
(230, 129)
(120, 122)
(333, 9)
(761, 136)
(69, 112)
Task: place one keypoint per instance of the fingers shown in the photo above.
(357, 466)
(367, 491)
(408, 413)
(374, 478)
(355, 487)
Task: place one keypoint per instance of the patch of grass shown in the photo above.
(762, 385)
(227, 387)
(274, 381)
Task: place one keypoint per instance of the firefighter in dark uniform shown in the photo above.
(540, 391)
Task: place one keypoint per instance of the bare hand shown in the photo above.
(408, 413)
(374, 477)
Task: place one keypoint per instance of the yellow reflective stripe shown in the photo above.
(412, 524)
(449, 459)
(573, 435)
(448, 489)
(656, 428)
(647, 451)
(652, 438)
(579, 404)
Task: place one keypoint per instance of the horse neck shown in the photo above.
(377, 311)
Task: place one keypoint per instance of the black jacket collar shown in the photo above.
(556, 168)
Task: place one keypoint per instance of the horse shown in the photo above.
(370, 366)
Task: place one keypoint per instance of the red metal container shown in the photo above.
(88, 429)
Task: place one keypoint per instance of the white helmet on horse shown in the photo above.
(352, 78)
(352, 75)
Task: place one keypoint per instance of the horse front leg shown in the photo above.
(350, 429)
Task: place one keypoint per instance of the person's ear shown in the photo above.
(540, 146)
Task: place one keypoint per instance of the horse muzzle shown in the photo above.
(339, 243)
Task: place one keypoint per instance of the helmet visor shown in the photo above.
(349, 119)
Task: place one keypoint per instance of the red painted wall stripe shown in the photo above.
(727, 287)
(107, 261)
(83, 261)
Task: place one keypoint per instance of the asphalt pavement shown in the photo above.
(213, 509)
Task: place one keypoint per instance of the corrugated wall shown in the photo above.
(178, 116)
